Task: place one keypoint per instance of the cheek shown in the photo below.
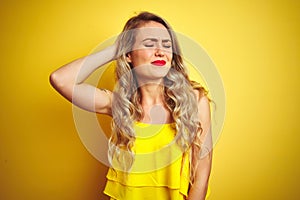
(170, 56)
(140, 57)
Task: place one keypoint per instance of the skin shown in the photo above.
(199, 188)
(150, 45)
(152, 42)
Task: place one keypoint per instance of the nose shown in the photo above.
(159, 52)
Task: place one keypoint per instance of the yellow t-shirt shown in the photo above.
(160, 170)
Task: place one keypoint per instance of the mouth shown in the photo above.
(158, 62)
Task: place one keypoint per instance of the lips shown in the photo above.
(158, 62)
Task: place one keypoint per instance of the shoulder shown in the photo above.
(199, 90)
(203, 103)
(202, 99)
(201, 96)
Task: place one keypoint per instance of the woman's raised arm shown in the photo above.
(69, 79)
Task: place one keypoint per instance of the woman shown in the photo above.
(160, 147)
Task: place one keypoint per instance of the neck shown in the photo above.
(152, 94)
(153, 103)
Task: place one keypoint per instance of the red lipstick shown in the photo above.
(158, 62)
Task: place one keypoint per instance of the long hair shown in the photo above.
(179, 96)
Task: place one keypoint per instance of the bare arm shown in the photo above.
(199, 188)
(69, 79)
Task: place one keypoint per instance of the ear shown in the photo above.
(128, 58)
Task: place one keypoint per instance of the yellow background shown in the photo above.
(255, 45)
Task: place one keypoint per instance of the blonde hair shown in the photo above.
(127, 105)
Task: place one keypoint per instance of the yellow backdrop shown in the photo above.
(255, 45)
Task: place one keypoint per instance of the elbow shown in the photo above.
(56, 81)
(61, 84)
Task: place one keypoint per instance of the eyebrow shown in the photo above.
(155, 40)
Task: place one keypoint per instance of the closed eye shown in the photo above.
(149, 45)
(167, 45)
(151, 42)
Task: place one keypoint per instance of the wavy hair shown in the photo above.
(127, 98)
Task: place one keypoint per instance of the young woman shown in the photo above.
(160, 147)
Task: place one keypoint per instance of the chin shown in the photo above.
(159, 72)
(151, 73)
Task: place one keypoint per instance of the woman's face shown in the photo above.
(151, 54)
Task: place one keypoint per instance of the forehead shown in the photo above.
(152, 30)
